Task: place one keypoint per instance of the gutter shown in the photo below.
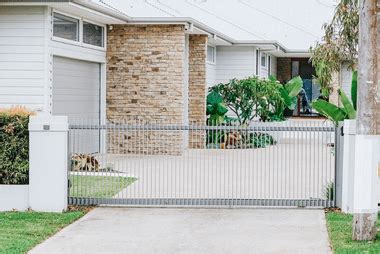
(189, 23)
(97, 7)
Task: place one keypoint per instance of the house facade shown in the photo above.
(90, 61)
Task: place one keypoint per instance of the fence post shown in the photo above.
(48, 163)
(339, 143)
(349, 131)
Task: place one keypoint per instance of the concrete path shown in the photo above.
(198, 231)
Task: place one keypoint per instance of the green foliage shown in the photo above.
(354, 89)
(98, 186)
(14, 149)
(21, 231)
(238, 140)
(290, 92)
(250, 98)
(215, 109)
(339, 44)
(265, 99)
(347, 105)
(339, 226)
(335, 113)
(329, 110)
(261, 140)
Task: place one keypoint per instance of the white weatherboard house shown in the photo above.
(95, 59)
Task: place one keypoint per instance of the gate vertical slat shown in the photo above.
(200, 170)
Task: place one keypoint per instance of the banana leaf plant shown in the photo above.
(216, 110)
(289, 92)
(336, 113)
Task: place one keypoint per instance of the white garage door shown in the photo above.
(76, 93)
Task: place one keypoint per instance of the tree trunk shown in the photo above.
(364, 224)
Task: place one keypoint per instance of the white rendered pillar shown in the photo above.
(48, 163)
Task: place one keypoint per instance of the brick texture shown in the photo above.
(145, 85)
(284, 69)
(197, 88)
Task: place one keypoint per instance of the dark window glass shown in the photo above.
(93, 34)
(65, 27)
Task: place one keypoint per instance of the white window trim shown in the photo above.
(266, 60)
(80, 42)
(104, 34)
(214, 60)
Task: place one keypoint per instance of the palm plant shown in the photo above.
(336, 113)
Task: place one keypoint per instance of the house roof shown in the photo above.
(294, 24)
(286, 28)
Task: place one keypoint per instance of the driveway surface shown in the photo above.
(168, 230)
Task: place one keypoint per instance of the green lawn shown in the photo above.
(21, 231)
(340, 231)
(98, 186)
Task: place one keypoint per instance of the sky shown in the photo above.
(297, 24)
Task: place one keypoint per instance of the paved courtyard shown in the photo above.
(198, 231)
(282, 171)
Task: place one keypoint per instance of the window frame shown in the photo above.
(57, 38)
(103, 35)
(80, 41)
(214, 55)
(266, 60)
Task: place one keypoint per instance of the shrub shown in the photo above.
(14, 149)
(250, 98)
(263, 99)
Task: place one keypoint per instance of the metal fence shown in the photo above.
(290, 163)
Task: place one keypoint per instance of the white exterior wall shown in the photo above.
(27, 48)
(23, 57)
(273, 65)
(265, 72)
(346, 79)
(78, 51)
(211, 74)
(234, 62)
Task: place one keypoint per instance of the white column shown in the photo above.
(365, 174)
(48, 163)
(349, 130)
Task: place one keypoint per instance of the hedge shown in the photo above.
(14, 146)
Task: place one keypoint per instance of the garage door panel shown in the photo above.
(78, 108)
(80, 73)
(76, 93)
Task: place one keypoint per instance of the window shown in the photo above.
(210, 54)
(295, 68)
(93, 34)
(264, 62)
(65, 27)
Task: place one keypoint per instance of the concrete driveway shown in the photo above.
(137, 230)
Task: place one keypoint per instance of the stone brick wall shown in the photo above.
(284, 69)
(145, 85)
(197, 88)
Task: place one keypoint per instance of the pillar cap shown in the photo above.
(48, 123)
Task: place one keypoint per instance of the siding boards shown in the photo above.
(22, 50)
(210, 74)
(273, 65)
(234, 62)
